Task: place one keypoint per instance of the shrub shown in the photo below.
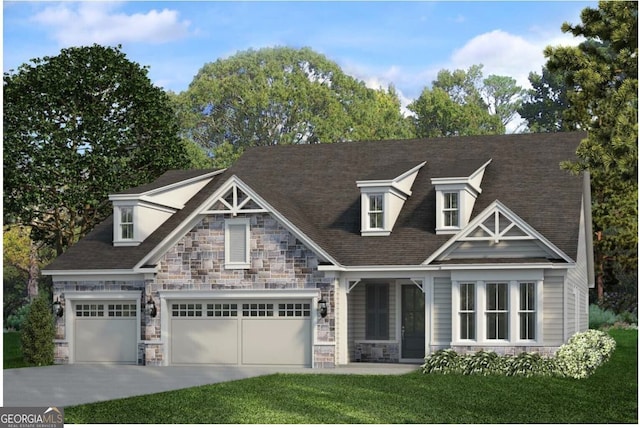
(599, 317)
(15, 321)
(584, 353)
(482, 362)
(37, 333)
(443, 361)
(529, 364)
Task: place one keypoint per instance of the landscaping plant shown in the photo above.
(578, 359)
(37, 334)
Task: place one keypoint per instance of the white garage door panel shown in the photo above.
(204, 341)
(276, 341)
(105, 340)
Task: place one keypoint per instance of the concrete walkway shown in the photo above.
(68, 385)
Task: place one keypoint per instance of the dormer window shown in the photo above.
(126, 223)
(382, 197)
(455, 197)
(451, 209)
(376, 211)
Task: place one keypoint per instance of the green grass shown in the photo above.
(12, 353)
(609, 396)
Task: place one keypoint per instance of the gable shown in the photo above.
(498, 234)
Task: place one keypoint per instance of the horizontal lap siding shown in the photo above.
(441, 311)
(510, 249)
(553, 298)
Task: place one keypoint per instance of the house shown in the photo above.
(322, 255)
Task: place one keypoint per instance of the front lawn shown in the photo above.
(609, 396)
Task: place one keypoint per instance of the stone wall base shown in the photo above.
(60, 352)
(372, 352)
(324, 356)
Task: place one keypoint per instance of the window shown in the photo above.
(497, 311)
(527, 311)
(377, 310)
(126, 222)
(237, 244)
(450, 209)
(376, 211)
(220, 310)
(294, 310)
(467, 311)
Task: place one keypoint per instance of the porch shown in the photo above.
(386, 321)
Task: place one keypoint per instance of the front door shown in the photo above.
(412, 329)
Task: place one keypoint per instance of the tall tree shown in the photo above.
(282, 96)
(455, 106)
(545, 103)
(78, 126)
(503, 97)
(602, 74)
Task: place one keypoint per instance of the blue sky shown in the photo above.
(404, 43)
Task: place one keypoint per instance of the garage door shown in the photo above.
(105, 332)
(241, 333)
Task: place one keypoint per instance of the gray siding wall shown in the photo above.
(506, 249)
(553, 301)
(441, 316)
(578, 278)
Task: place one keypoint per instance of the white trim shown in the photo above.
(391, 270)
(135, 196)
(99, 275)
(281, 293)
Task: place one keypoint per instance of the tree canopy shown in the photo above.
(544, 104)
(601, 75)
(78, 126)
(282, 96)
(455, 104)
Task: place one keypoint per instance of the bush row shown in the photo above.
(600, 317)
(578, 359)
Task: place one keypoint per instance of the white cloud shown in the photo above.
(100, 22)
(506, 54)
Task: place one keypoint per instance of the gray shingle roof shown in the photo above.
(314, 186)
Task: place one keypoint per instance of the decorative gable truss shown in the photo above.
(234, 201)
(495, 234)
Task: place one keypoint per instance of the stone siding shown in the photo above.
(376, 352)
(196, 262)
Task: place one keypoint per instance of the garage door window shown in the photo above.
(257, 309)
(122, 310)
(220, 310)
(186, 309)
(294, 309)
(89, 310)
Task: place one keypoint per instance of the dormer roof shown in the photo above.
(313, 188)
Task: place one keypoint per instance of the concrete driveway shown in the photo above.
(68, 385)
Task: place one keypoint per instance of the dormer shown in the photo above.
(138, 212)
(455, 198)
(381, 199)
